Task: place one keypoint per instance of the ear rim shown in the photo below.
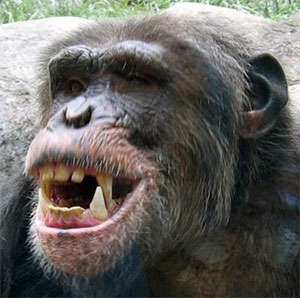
(262, 67)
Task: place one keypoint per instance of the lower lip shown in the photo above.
(69, 250)
(102, 227)
(76, 232)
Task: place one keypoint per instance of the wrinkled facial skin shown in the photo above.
(118, 114)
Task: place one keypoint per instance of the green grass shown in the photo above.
(21, 10)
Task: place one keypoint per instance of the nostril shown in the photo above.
(78, 116)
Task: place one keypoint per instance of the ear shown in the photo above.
(268, 94)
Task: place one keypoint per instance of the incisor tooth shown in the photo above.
(78, 211)
(47, 173)
(59, 209)
(97, 205)
(77, 176)
(62, 173)
(54, 211)
(106, 183)
(66, 212)
(47, 206)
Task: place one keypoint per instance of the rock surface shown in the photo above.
(20, 44)
(263, 35)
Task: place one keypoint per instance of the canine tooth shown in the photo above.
(44, 196)
(77, 176)
(105, 181)
(47, 173)
(45, 189)
(44, 202)
(97, 205)
(101, 180)
(62, 173)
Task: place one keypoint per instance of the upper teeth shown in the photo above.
(106, 182)
(62, 173)
(47, 173)
(77, 176)
(102, 201)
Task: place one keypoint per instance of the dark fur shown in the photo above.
(228, 198)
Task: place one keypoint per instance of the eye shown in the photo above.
(75, 86)
(138, 79)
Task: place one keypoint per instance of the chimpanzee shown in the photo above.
(167, 165)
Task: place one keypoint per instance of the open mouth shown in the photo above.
(96, 191)
(77, 198)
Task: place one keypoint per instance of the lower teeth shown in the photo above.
(97, 208)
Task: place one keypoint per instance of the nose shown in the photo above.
(78, 113)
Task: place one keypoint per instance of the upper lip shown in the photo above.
(62, 161)
(110, 153)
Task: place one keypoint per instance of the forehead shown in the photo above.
(192, 48)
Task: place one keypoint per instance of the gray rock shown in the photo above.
(263, 35)
(20, 44)
(296, 19)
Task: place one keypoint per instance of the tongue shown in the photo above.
(73, 194)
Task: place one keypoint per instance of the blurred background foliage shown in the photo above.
(21, 10)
